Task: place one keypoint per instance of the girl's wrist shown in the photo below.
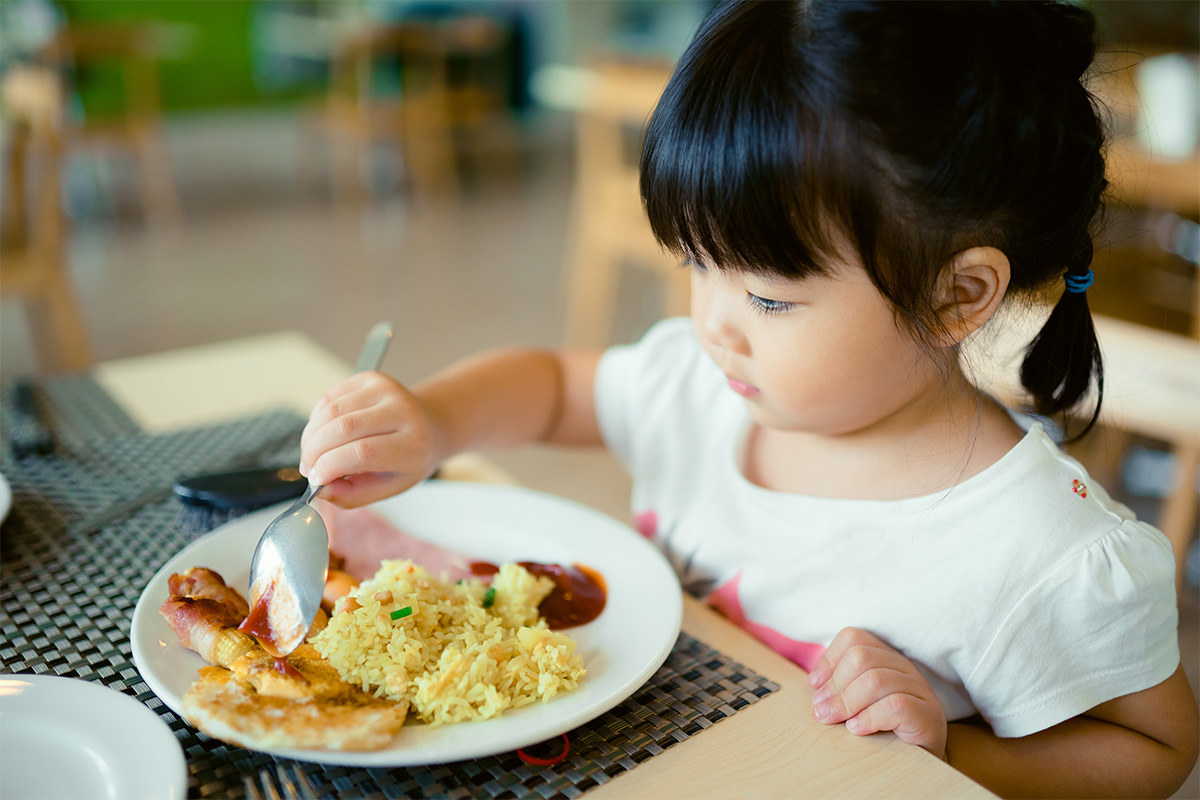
(440, 444)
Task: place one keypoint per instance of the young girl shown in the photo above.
(856, 188)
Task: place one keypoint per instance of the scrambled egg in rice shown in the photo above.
(455, 651)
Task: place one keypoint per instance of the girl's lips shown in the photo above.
(744, 389)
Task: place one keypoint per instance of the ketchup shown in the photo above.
(258, 625)
(578, 596)
(283, 666)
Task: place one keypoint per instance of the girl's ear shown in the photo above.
(971, 288)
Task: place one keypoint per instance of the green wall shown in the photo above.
(215, 69)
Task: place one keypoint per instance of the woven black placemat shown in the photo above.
(66, 602)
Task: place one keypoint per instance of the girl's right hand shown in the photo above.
(368, 438)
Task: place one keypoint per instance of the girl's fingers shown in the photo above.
(857, 659)
(913, 719)
(348, 386)
(866, 689)
(383, 452)
(364, 488)
(834, 654)
(889, 713)
(346, 398)
(346, 430)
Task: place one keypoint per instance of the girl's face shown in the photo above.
(822, 355)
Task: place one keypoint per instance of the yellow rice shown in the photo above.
(453, 659)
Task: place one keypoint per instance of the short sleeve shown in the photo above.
(636, 386)
(1110, 615)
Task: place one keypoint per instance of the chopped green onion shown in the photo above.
(489, 597)
(401, 612)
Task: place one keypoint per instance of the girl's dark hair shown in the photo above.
(910, 130)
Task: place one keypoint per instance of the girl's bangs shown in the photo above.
(733, 177)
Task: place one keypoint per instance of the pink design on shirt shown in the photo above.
(725, 599)
(646, 523)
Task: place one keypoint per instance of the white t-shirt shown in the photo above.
(1025, 593)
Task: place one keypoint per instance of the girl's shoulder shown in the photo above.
(660, 395)
(1046, 500)
(666, 340)
(667, 362)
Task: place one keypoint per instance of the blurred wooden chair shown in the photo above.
(137, 127)
(471, 54)
(609, 229)
(1151, 287)
(414, 116)
(33, 266)
(449, 79)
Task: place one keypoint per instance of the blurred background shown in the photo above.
(180, 172)
(184, 172)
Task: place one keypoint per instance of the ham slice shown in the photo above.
(361, 538)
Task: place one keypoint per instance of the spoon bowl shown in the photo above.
(291, 561)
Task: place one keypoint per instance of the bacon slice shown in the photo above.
(208, 627)
(202, 582)
(204, 613)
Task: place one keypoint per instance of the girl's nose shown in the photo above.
(715, 314)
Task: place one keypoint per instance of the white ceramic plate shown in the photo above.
(63, 737)
(621, 649)
(5, 498)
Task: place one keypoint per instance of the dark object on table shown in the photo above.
(211, 499)
(29, 435)
(121, 509)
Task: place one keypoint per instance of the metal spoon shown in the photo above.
(290, 563)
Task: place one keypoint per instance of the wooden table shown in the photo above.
(769, 749)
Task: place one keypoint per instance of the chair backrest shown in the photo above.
(613, 102)
(357, 51)
(34, 261)
(618, 102)
(134, 49)
(33, 216)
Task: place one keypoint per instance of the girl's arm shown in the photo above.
(1140, 745)
(370, 437)
(507, 398)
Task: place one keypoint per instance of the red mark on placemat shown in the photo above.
(546, 762)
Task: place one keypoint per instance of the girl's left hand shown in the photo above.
(871, 687)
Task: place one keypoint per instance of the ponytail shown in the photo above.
(1064, 358)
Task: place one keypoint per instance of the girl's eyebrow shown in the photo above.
(777, 281)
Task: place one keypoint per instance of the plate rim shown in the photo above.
(6, 497)
(151, 727)
(393, 756)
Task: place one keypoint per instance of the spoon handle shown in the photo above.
(374, 348)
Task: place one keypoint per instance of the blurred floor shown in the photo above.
(262, 249)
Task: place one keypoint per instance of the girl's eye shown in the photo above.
(767, 306)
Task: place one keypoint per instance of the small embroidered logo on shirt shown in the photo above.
(1079, 488)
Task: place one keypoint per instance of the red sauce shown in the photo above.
(578, 596)
(282, 666)
(258, 625)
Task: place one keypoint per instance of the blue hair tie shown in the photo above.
(1078, 284)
